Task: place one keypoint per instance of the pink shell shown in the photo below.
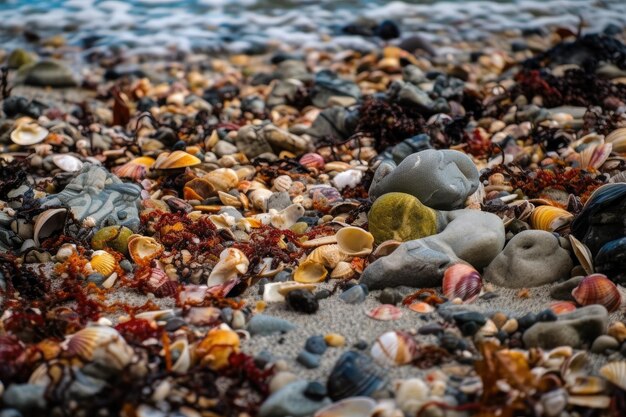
(312, 160)
(597, 289)
(156, 281)
(385, 312)
(562, 307)
(421, 307)
(461, 281)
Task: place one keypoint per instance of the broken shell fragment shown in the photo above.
(232, 263)
(275, 292)
(329, 255)
(135, 169)
(309, 272)
(67, 163)
(48, 223)
(215, 349)
(343, 270)
(198, 189)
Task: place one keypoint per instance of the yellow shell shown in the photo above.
(223, 179)
(549, 218)
(343, 270)
(103, 262)
(28, 132)
(355, 241)
(310, 272)
(215, 349)
(175, 160)
(101, 344)
(143, 249)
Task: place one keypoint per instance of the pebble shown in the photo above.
(302, 301)
(10, 412)
(316, 344)
(290, 400)
(126, 265)
(283, 276)
(174, 324)
(469, 322)
(431, 328)
(527, 320)
(280, 379)
(354, 295)
(315, 391)
(96, 278)
(308, 360)
(604, 343)
(361, 345)
(547, 315)
(322, 294)
(262, 324)
(563, 290)
(510, 326)
(390, 296)
(499, 319)
(27, 398)
(335, 340)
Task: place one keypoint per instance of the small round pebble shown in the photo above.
(174, 323)
(547, 315)
(126, 265)
(316, 344)
(315, 391)
(263, 358)
(308, 360)
(354, 295)
(335, 340)
(96, 278)
(323, 293)
(389, 296)
(361, 345)
(284, 275)
(303, 301)
(431, 328)
(526, 321)
(604, 343)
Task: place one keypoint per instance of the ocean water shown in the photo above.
(163, 26)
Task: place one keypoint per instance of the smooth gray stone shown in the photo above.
(284, 92)
(413, 94)
(354, 295)
(604, 343)
(257, 140)
(48, 74)
(530, 259)
(231, 211)
(291, 401)
(262, 324)
(471, 236)
(328, 85)
(573, 329)
(334, 121)
(279, 201)
(563, 290)
(414, 75)
(95, 192)
(25, 397)
(222, 148)
(439, 179)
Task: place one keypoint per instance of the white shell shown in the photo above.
(286, 218)
(393, 348)
(282, 183)
(232, 263)
(274, 292)
(350, 178)
(67, 163)
(28, 133)
(259, 198)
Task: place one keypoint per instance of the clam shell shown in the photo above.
(275, 292)
(28, 133)
(461, 281)
(354, 374)
(583, 254)
(223, 179)
(282, 183)
(144, 249)
(549, 218)
(350, 407)
(198, 189)
(175, 160)
(232, 263)
(47, 223)
(355, 241)
(135, 169)
(217, 346)
(100, 344)
(385, 248)
(343, 270)
(598, 289)
(67, 163)
(103, 262)
(385, 312)
(618, 139)
(615, 373)
(393, 348)
(329, 255)
(309, 272)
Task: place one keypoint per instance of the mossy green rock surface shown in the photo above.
(114, 237)
(18, 58)
(401, 217)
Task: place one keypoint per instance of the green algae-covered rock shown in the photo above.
(402, 217)
(114, 237)
(47, 74)
(18, 58)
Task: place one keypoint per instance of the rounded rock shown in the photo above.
(303, 301)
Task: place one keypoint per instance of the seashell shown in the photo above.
(324, 198)
(347, 179)
(583, 254)
(282, 183)
(287, 217)
(593, 156)
(385, 312)
(312, 160)
(28, 132)
(264, 268)
(175, 160)
(222, 221)
(461, 281)
(587, 385)
(144, 249)
(181, 356)
(329, 255)
(589, 401)
(421, 307)
(562, 307)
(394, 348)
(385, 248)
(350, 407)
(198, 189)
(103, 262)
(156, 281)
(259, 198)
(223, 179)
(110, 281)
(155, 315)
(228, 199)
(67, 163)
(102, 345)
(309, 272)
(135, 169)
(353, 375)
(216, 347)
(355, 241)
(324, 240)
(337, 166)
(549, 218)
(47, 223)
(232, 263)
(618, 139)
(343, 270)
(615, 373)
(411, 394)
(202, 316)
(275, 292)
(597, 289)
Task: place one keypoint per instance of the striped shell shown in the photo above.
(598, 289)
(615, 373)
(103, 262)
(350, 407)
(101, 344)
(144, 249)
(583, 254)
(282, 183)
(343, 270)
(312, 160)
(329, 255)
(156, 281)
(593, 156)
(562, 307)
(135, 169)
(232, 263)
(461, 281)
(175, 160)
(549, 218)
(28, 133)
(385, 312)
(421, 307)
(355, 241)
(310, 272)
(393, 348)
(618, 139)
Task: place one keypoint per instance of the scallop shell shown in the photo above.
(562, 307)
(103, 262)
(461, 281)
(223, 179)
(385, 312)
(615, 372)
(598, 289)
(355, 241)
(287, 217)
(549, 218)
(421, 307)
(310, 272)
(198, 189)
(593, 156)
(275, 292)
(144, 249)
(232, 263)
(282, 183)
(135, 169)
(394, 348)
(175, 160)
(28, 133)
(100, 344)
(343, 270)
(329, 255)
(47, 223)
(217, 346)
(312, 160)
(583, 254)
(67, 163)
(350, 407)
(618, 139)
